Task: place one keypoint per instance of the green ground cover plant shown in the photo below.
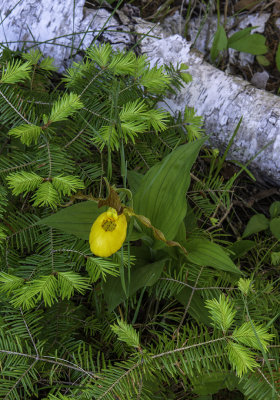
(186, 307)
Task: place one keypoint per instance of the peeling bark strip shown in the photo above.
(220, 98)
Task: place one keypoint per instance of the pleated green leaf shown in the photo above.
(208, 254)
(76, 219)
(162, 194)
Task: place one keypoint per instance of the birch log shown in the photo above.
(221, 99)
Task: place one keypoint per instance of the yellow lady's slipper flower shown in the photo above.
(108, 233)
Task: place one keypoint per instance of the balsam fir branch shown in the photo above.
(27, 133)
(23, 182)
(73, 325)
(97, 267)
(49, 190)
(15, 72)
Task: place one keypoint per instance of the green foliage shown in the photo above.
(249, 43)
(252, 336)
(256, 224)
(33, 56)
(100, 54)
(67, 184)
(138, 324)
(242, 41)
(49, 288)
(222, 312)
(274, 226)
(193, 123)
(27, 133)
(245, 286)
(122, 63)
(155, 80)
(46, 195)
(220, 43)
(10, 282)
(274, 209)
(65, 107)
(143, 276)
(126, 333)
(98, 267)
(259, 222)
(23, 181)
(47, 64)
(205, 253)
(155, 197)
(15, 72)
(76, 219)
(275, 257)
(241, 358)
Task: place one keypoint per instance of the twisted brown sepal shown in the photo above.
(112, 200)
(157, 233)
(80, 196)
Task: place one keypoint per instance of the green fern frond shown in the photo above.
(126, 333)
(70, 281)
(75, 74)
(23, 182)
(14, 107)
(141, 65)
(222, 312)
(242, 359)
(63, 108)
(133, 109)
(18, 161)
(155, 80)
(255, 336)
(55, 160)
(16, 322)
(245, 286)
(193, 123)
(133, 119)
(46, 195)
(90, 172)
(44, 288)
(23, 232)
(27, 133)
(98, 267)
(107, 136)
(9, 282)
(33, 56)
(100, 54)
(58, 396)
(67, 184)
(130, 129)
(260, 386)
(157, 120)
(47, 64)
(122, 63)
(15, 72)
(122, 381)
(3, 200)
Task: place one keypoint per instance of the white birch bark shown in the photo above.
(59, 27)
(221, 99)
